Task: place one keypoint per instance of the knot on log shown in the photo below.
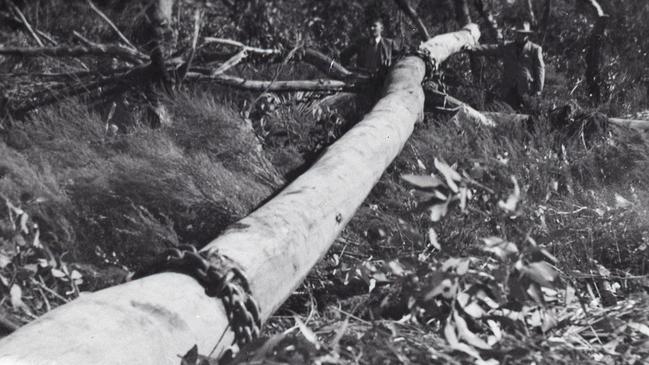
(221, 278)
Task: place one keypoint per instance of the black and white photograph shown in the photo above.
(327, 182)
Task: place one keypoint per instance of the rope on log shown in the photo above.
(154, 319)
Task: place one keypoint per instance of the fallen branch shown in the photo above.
(460, 110)
(139, 57)
(112, 25)
(261, 85)
(329, 66)
(123, 80)
(233, 61)
(74, 51)
(230, 42)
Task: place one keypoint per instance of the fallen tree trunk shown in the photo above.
(154, 319)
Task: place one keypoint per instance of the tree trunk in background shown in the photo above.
(594, 50)
(545, 21)
(529, 11)
(494, 34)
(159, 34)
(463, 17)
(414, 17)
(155, 319)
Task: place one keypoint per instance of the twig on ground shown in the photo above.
(6, 323)
(41, 285)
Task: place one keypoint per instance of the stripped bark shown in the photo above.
(152, 320)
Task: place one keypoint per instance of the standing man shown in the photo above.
(523, 66)
(373, 52)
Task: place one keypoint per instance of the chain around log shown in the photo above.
(221, 279)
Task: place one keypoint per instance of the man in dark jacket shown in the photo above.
(523, 67)
(373, 52)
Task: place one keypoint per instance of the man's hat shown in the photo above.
(524, 29)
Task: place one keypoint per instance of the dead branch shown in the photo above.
(230, 42)
(325, 64)
(414, 17)
(262, 85)
(111, 24)
(233, 61)
(75, 51)
(28, 26)
(328, 65)
(139, 56)
(124, 80)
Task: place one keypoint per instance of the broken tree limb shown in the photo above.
(138, 56)
(328, 65)
(155, 319)
(322, 62)
(445, 103)
(263, 85)
(237, 44)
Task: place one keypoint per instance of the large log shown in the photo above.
(154, 319)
